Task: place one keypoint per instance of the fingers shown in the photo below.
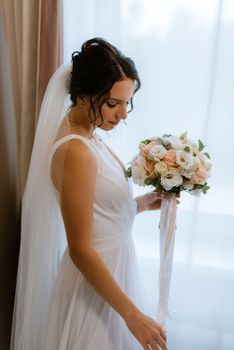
(162, 333)
(156, 344)
(160, 338)
(148, 332)
(152, 346)
(161, 343)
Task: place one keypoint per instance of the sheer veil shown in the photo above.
(42, 232)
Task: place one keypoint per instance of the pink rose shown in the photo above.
(200, 175)
(170, 158)
(150, 168)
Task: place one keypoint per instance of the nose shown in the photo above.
(122, 112)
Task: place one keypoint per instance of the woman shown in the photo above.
(95, 300)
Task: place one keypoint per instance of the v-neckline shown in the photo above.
(115, 156)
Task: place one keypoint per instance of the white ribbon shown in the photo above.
(167, 238)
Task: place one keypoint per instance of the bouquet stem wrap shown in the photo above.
(167, 238)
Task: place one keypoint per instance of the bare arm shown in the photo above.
(77, 193)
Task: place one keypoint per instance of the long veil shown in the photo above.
(42, 231)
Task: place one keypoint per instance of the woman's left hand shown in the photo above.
(150, 201)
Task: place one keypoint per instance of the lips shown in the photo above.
(114, 123)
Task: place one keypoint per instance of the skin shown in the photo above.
(80, 169)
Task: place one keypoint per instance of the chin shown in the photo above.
(107, 127)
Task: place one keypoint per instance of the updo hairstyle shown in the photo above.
(95, 70)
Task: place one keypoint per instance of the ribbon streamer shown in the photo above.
(167, 238)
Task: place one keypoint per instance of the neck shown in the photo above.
(79, 122)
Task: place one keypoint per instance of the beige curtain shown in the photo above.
(30, 48)
(32, 29)
(50, 42)
(9, 196)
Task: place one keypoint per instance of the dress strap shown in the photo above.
(66, 138)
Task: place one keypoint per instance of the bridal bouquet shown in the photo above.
(170, 164)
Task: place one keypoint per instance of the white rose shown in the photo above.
(138, 170)
(186, 160)
(157, 152)
(191, 149)
(174, 141)
(171, 179)
(187, 185)
(195, 152)
(196, 162)
(160, 168)
(186, 173)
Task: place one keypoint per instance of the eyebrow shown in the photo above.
(117, 99)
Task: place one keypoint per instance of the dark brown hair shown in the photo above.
(95, 70)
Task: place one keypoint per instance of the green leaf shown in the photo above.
(200, 145)
(187, 149)
(146, 142)
(174, 190)
(205, 189)
(148, 182)
(200, 186)
(128, 172)
(159, 187)
(168, 146)
(156, 182)
(160, 141)
(207, 154)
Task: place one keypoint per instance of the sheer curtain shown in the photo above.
(184, 53)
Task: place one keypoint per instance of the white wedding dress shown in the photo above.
(78, 317)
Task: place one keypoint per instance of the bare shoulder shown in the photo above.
(70, 159)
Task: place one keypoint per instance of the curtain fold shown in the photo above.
(50, 42)
(33, 31)
(9, 196)
(30, 33)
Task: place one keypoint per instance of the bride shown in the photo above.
(78, 285)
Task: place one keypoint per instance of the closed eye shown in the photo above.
(111, 104)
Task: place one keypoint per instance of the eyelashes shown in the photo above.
(113, 105)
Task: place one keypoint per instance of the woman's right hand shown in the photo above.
(147, 331)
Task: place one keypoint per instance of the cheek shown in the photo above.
(107, 113)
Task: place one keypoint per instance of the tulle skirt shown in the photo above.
(80, 319)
